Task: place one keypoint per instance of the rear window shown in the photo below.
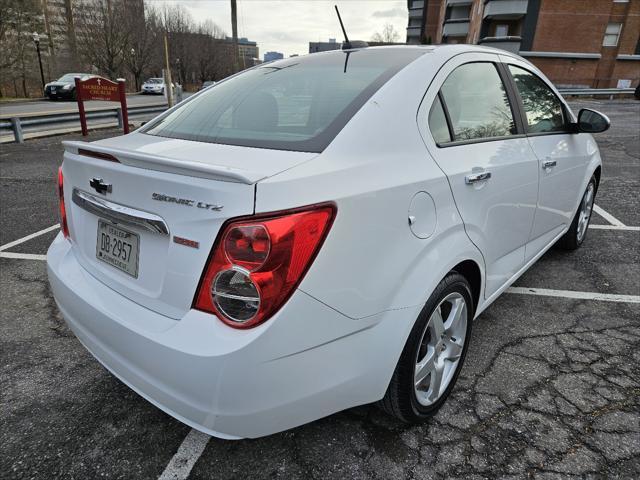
(296, 104)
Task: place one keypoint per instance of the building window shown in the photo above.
(612, 34)
(502, 30)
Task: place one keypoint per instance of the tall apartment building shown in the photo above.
(60, 42)
(60, 36)
(578, 43)
(248, 51)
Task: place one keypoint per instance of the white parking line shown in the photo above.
(185, 458)
(607, 216)
(28, 237)
(605, 297)
(23, 256)
(624, 228)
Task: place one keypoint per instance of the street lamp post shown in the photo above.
(36, 40)
(135, 67)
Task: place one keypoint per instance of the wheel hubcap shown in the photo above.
(585, 212)
(440, 349)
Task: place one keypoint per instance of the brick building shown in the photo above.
(577, 43)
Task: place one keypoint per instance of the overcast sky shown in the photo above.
(288, 26)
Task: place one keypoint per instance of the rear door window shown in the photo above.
(438, 123)
(477, 103)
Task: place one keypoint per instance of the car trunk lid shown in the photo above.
(163, 206)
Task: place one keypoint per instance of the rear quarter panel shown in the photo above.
(371, 261)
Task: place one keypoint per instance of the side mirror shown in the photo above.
(590, 121)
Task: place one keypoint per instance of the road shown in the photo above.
(550, 388)
(44, 106)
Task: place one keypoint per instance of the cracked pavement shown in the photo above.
(550, 388)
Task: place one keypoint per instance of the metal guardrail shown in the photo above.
(15, 123)
(596, 91)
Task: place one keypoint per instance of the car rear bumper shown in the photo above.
(305, 363)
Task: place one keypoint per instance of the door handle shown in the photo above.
(477, 177)
(549, 164)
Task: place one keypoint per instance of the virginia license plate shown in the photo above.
(118, 247)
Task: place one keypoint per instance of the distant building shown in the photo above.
(271, 56)
(576, 43)
(62, 37)
(248, 52)
(324, 46)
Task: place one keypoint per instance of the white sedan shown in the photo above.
(154, 86)
(319, 232)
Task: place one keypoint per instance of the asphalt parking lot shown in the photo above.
(550, 388)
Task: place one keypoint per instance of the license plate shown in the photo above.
(118, 247)
(53, 89)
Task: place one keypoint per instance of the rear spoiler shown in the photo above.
(165, 164)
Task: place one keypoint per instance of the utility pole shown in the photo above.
(167, 75)
(234, 33)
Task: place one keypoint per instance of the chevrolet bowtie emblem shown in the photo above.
(100, 186)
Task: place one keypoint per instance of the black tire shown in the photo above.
(571, 240)
(400, 400)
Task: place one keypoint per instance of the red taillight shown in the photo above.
(257, 262)
(247, 245)
(63, 211)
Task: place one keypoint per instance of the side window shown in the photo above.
(477, 103)
(542, 107)
(438, 123)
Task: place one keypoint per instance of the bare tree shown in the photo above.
(198, 51)
(211, 55)
(103, 34)
(18, 19)
(178, 24)
(145, 38)
(388, 35)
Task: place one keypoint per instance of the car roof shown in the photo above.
(442, 52)
(443, 49)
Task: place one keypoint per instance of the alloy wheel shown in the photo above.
(440, 349)
(585, 212)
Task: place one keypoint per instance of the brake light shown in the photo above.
(100, 155)
(63, 211)
(257, 262)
